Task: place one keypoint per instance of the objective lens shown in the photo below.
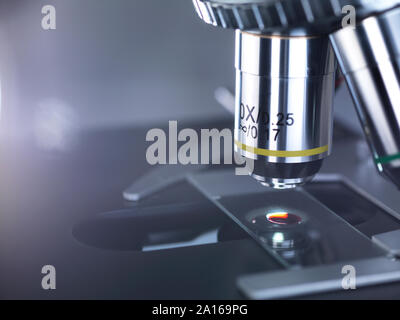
(284, 98)
(371, 66)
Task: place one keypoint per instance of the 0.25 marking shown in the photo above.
(250, 114)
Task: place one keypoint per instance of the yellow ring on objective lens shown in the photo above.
(282, 154)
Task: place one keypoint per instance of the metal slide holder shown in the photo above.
(310, 241)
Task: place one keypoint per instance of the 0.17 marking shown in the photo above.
(252, 131)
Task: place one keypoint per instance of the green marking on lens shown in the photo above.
(387, 159)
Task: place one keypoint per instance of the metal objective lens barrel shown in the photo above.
(284, 98)
(369, 56)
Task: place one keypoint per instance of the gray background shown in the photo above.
(110, 63)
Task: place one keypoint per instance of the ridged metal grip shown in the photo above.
(285, 16)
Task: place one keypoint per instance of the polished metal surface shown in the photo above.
(284, 97)
(369, 57)
(297, 282)
(285, 16)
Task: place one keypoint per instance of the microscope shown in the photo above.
(312, 234)
(286, 53)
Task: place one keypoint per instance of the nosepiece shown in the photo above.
(284, 98)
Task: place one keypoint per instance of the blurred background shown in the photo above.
(109, 63)
(75, 106)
